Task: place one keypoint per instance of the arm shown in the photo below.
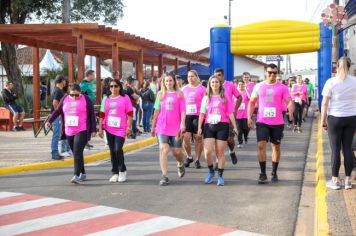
(233, 122)
(250, 109)
(290, 105)
(324, 109)
(154, 122)
(101, 132)
(200, 123)
(238, 103)
(129, 124)
(57, 112)
(92, 116)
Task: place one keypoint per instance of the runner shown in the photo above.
(78, 117)
(300, 95)
(230, 90)
(217, 111)
(193, 94)
(116, 121)
(269, 127)
(310, 87)
(241, 115)
(249, 85)
(284, 105)
(169, 125)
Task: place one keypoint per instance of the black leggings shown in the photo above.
(341, 132)
(243, 130)
(77, 144)
(117, 154)
(298, 113)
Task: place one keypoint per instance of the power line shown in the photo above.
(321, 3)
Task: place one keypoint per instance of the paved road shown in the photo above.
(241, 204)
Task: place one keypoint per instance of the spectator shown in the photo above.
(134, 97)
(116, 75)
(154, 85)
(43, 94)
(148, 99)
(9, 97)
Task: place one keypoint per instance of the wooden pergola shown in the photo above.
(95, 40)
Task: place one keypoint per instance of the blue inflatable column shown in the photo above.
(324, 59)
(220, 53)
(341, 44)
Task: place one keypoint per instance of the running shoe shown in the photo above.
(16, 129)
(181, 170)
(274, 178)
(233, 158)
(82, 177)
(122, 177)
(209, 177)
(216, 168)
(188, 161)
(348, 185)
(333, 185)
(164, 181)
(221, 181)
(75, 180)
(262, 179)
(299, 130)
(21, 128)
(240, 146)
(295, 129)
(57, 158)
(197, 164)
(114, 178)
(65, 154)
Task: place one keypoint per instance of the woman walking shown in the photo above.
(338, 117)
(217, 111)
(241, 115)
(78, 117)
(300, 96)
(169, 125)
(116, 120)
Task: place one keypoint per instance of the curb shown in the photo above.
(69, 162)
(321, 214)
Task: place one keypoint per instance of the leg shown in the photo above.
(198, 146)
(113, 153)
(80, 140)
(119, 143)
(21, 117)
(335, 135)
(347, 137)
(246, 130)
(15, 119)
(186, 144)
(56, 125)
(240, 127)
(220, 149)
(296, 112)
(163, 157)
(300, 115)
(209, 144)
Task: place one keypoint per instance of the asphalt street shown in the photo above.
(241, 204)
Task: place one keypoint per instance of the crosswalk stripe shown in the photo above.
(145, 227)
(29, 205)
(8, 194)
(59, 219)
(241, 233)
(18, 199)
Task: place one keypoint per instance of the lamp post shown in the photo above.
(230, 12)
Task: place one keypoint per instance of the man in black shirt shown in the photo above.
(9, 98)
(134, 97)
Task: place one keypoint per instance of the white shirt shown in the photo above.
(342, 95)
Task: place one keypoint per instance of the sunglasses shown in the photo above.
(114, 86)
(272, 72)
(74, 95)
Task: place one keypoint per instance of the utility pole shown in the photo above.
(230, 12)
(335, 42)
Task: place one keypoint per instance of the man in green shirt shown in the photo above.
(310, 87)
(86, 86)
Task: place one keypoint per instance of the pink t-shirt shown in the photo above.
(193, 97)
(300, 88)
(216, 110)
(230, 90)
(116, 109)
(270, 99)
(169, 118)
(250, 87)
(75, 115)
(284, 105)
(242, 111)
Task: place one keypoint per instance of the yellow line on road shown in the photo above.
(321, 213)
(68, 162)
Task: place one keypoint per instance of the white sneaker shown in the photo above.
(114, 178)
(65, 154)
(122, 176)
(240, 146)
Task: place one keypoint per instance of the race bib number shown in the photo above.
(114, 121)
(269, 112)
(191, 109)
(72, 120)
(242, 106)
(214, 119)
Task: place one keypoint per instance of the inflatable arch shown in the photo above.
(272, 38)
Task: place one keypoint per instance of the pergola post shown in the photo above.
(160, 65)
(36, 86)
(188, 66)
(98, 81)
(80, 56)
(140, 67)
(70, 68)
(152, 70)
(115, 57)
(120, 68)
(176, 64)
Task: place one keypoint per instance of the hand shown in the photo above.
(128, 132)
(153, 132)
(291, 118)
(101, 133)
(250, 123)
(199, 133)
(324, 126)
(48, 125)
(236, 131)
(93, 134)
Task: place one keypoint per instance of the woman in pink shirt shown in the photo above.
(116, 120)
(78, 117)
(300, 94)
(218, 112)
(169, 125)
(193, 94)
(241, 115)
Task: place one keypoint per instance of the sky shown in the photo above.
(186, 24)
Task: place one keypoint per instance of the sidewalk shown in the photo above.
(19, 148)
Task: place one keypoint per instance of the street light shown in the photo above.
(230, 12)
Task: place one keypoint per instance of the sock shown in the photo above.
(220, 172)
(211, 168)
(190, 158)
(263, 167)
(274, 167)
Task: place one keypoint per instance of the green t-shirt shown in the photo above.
(102, 106)
(157, 105)
(87, 89)
(310, 89)
(203, 105)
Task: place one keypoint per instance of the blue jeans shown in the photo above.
(56, 126)
(147, 108)
(64, 145)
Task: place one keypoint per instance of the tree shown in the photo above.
(22, 11)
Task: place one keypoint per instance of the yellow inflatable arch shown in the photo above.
(275, 37)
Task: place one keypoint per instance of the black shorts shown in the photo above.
(269, 133)
(14, 108)
(309, 101)
(191, 124)
(218, 131)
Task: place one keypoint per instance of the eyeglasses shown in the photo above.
(74, 95)
(114, 86)
(272, 72)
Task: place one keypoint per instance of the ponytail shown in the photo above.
(343, 67)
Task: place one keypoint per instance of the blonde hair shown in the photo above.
(343, 67)
(163, 86)
(209, 91)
